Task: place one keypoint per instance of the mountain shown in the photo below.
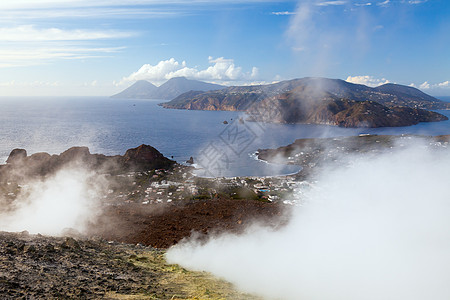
(320, 101)
(172, 88)
(242, 97)
(409, 96)
(139, 90)
(330, 110)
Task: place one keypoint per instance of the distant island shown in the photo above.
(320, 101)
(174, 87)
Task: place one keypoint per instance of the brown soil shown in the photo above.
(162, 226)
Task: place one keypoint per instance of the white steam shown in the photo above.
(67, 200)
(378, 229)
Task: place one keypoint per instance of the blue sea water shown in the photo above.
(111, 126)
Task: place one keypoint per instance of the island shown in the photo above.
(320, 101)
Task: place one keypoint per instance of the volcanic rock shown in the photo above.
(145, 157)
(17, 156)
(20, 166)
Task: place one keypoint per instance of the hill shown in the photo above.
(298, 107)
(242, 97)
(320, 101)
(172, 88)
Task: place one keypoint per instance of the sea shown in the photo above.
(222, 143)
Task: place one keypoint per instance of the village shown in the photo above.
(180, 185)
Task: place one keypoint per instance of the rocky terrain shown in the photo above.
(165, 225)
(172, 88)
(121, 253)
(40, 267)
(320, 101)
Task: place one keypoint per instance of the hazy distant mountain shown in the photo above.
(140, 90)
(320, 101)
(172, 88)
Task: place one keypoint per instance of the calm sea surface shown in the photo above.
(111, 126)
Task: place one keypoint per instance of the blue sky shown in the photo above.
(99, 47)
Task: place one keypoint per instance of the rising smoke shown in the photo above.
(376, 229)
(67, 200)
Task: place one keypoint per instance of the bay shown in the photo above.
(111, 126)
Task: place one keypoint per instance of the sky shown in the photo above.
(99, 47)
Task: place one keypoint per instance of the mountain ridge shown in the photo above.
(388, 94)
(316, 100)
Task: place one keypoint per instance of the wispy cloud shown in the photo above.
(27, 14)
(426, 85)
(26, 56)
(220, 70)
(27, 45)
(384, 3)
(417, 1)
(283, 13)
(40, 4)
(328, 3)
(27, 33)
(71, 9)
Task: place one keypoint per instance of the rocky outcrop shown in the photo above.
(142, 158)
(17, 156)
(145, 157)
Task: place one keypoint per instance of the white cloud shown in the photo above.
(14, 10)
(27, 33)
(28, 45)
(367, 80)
(424, 85)
(14, 83)
(221, 70)
(29, 56)
(283, 13)
(384, 3)
(444, 84)
(15, 4)
(434, 87)
(417, 1)
(328, 3)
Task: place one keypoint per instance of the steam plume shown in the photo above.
(66, 200)
(378, 229)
